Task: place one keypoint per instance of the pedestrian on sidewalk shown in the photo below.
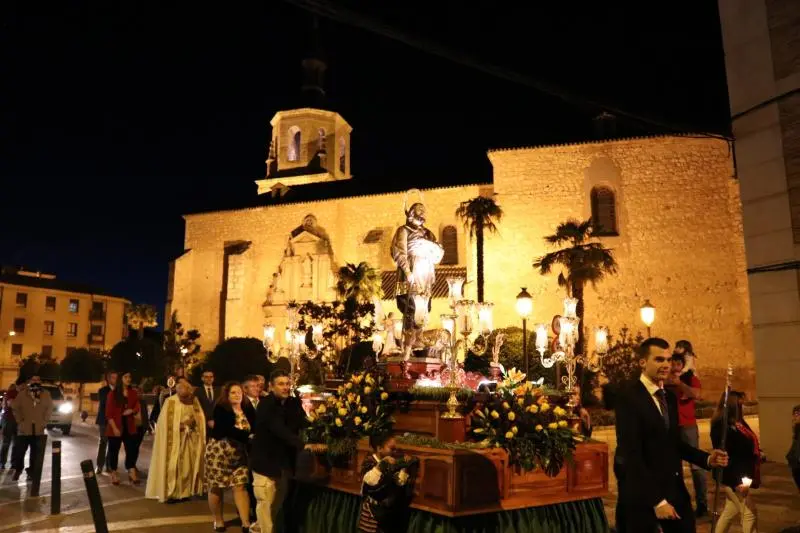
(32, 409)
(102, 397)
(793, 457)
(9, 429)
(743, 472)
(687, 387)
(123, 417)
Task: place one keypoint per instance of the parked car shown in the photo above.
(61, 417)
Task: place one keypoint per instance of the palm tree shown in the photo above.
(582, 261)
(142, 316)
(359, 284)
(478, 215)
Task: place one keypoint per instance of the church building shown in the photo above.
(668, 206)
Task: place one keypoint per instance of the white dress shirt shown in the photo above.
(652, 387)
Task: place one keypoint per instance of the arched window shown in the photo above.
(342, 155)
(604, 211)
(450, 245)
(294, 144)
(321, 139)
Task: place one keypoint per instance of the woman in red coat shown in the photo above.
(122, 420)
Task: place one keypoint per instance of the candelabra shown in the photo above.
(568, 331)
(460, 323)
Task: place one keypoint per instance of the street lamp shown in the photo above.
(524, 309)
(648, 314)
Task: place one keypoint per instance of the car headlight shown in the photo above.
(65, 408)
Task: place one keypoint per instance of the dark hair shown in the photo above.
(378, 440)
(206, 370)
(796, 409)
(279, 373)
(119, 391)
(182, 378)
(686, 345)
(223, 400)
(644, 349)
(734, 413)
(250, 377)
(679, 357)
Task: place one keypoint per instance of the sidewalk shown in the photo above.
(778, 501)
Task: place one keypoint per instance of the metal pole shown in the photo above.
(648, 332)
(55, 493)
(95, 501)
(525, 344)
(37, 463)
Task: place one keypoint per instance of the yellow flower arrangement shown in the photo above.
(339, 422)
(321, 409)
(506, 406)
(357, 421)
(539, 427)
(367, 390)
(342, 411)
(509, 434)
(520, 401)
(495, 415)
(552, 425)
(384, 396)
(544, 407)
(348, 385)
(364, 409)
(533, 409)
(512, 416)
(562, 423)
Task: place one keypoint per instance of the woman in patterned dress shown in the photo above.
(226, 454)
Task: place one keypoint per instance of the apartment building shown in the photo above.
(44, 315)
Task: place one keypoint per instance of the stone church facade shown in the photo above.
(668, 205)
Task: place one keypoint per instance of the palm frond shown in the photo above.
(479, 212)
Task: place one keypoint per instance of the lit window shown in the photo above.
(72, 329)
(321, 139)
(49, 327)
(294, 144)
(74, 306)
(50, 303)
(604, 211)
(342, 155)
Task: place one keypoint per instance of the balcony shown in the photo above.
(97, 315)
(95, 338)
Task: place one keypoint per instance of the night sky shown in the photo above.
(119, 119)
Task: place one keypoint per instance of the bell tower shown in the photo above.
(309, 144)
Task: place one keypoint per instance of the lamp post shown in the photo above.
(648, 314)
(524, 309)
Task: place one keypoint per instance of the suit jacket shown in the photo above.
(102, 396)
(32, 418)
(648, 461)
(277, 438)
(205, 402)
(225, 424)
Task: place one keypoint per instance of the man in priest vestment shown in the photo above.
(176, 466)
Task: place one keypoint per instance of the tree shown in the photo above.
(479, 215)
(40, 365)
(142, 316)
(142, 358)
(237, 357)
(181, 347)
(581, 262)
(358, 284)
(620, 364)
(82, 366)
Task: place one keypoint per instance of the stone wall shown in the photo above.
(680, 240)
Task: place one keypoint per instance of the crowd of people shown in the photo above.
(245, 436)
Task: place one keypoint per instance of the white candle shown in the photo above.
(746, 481)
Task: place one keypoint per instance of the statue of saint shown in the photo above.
(416, 253)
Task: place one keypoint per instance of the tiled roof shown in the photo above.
(53, 284)
(389, 281)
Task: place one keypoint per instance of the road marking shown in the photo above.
(44, 518)
(133, 524)
(28, 498)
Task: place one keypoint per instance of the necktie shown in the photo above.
(661, 395)
(210, 393)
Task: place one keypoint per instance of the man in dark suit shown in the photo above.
(102, 396)
(279, 419)
(650, 449)
(207, 396)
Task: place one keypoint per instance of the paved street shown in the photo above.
(127, 510)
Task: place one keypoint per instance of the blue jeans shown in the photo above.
(691, 436)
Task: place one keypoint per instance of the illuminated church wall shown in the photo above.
(680, 241)
(680, 245)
